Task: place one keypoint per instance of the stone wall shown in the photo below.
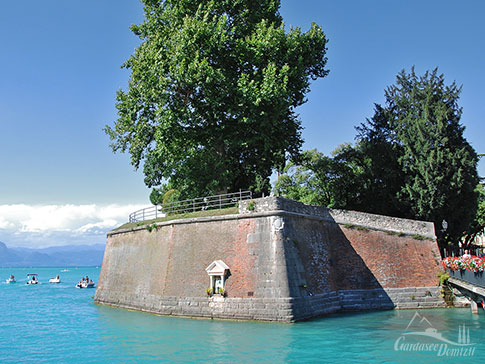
(342, 217)
(288, 261)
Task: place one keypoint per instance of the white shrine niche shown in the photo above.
(218, 272)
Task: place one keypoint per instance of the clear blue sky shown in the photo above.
(60, 68)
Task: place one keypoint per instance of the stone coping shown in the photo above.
(345, 217)
(341, 217)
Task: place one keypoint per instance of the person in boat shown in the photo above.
(57, 276)
(33, 278)
(12, 277)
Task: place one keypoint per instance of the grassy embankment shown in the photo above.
(226, 211)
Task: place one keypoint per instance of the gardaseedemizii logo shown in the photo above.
(421, 336)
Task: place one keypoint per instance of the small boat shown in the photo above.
(85, 284)
(55, 280)
(11, 279)
(32, 278)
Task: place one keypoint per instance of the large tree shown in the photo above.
(411, 159)
(439, 165)
(213, 88)
(307, 181)
(478, 224)
(320, 180)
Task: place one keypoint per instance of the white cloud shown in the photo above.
(47, 225)
(4, 224)
(102, 225)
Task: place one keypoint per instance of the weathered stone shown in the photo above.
(288, 262)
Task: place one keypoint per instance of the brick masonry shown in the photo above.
(288, 262)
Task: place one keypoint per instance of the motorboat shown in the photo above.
(11, 279)
(57, 279)
(85, 284)
(32, 278)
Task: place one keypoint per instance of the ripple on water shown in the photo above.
(60, 324)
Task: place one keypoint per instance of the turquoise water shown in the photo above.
(51, 323)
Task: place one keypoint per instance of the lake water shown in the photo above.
(58, 323)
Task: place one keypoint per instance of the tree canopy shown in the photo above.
(320, 180)
(306, 181)
(410, 159)
(211, 98)
(478, 224)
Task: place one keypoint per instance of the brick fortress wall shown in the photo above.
(288, 261)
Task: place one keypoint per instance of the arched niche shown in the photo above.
(218, 272)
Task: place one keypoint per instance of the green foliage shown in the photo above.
(356, 227)
(436, 163)
(419, 237)
(478, 224)
(151, 227)
(251, 206)
(320, 180)
(443, 278)
(439, 165)
(306, 181)
(446, 290)
(395, 233)
(171, 196)
(187, 215)
(410, 160)
(211, 98)
(165, 196)
(156, 196)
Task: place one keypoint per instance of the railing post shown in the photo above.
(184, 206)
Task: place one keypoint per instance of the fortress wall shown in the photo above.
(171, 260)
(395, 261)
(342, 217)
(288, 262)
(163, 271)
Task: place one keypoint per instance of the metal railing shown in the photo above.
(192, 205)
(478, 251)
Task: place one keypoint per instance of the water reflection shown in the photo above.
(143, 337)
(353, 338)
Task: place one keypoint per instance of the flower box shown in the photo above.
(475, 278)
(471, 263)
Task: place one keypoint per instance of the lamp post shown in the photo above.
(444, 226)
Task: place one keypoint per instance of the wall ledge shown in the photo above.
(340, 217)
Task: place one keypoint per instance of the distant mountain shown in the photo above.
(56, 256)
